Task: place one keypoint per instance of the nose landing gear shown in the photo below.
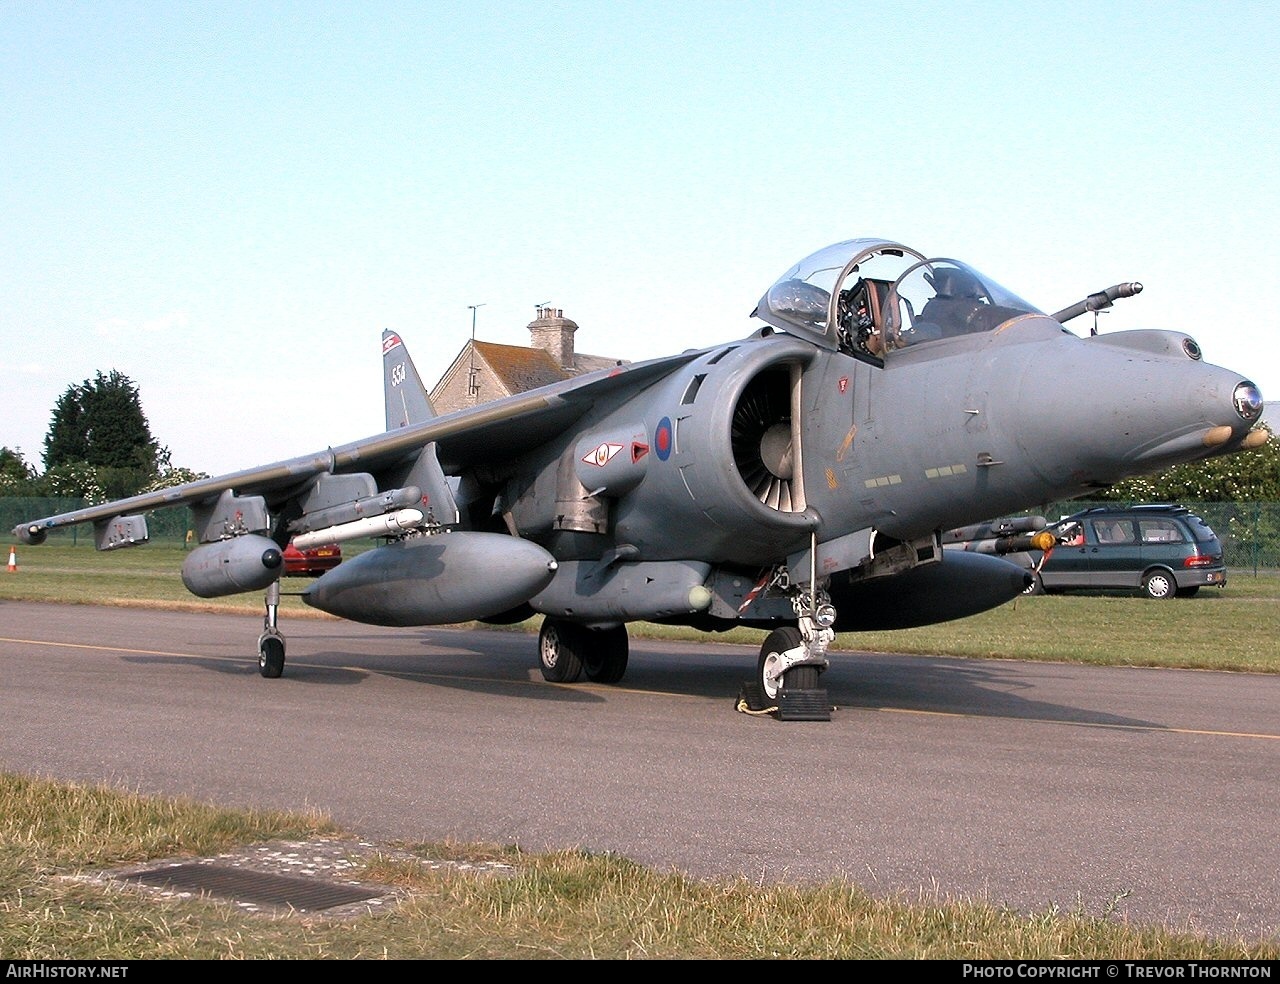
(792, 658)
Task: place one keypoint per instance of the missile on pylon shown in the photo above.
(1018, 543)
(992, 528)
(389, 524)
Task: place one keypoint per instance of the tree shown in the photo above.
(74, 480)
(100, 424)
(170, 476)
(16, 475)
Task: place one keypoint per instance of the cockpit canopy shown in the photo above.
(871, 297)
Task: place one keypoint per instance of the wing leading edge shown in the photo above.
(464, 437)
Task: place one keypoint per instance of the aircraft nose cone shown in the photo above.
(1152, 403)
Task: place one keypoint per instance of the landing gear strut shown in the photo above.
(271, 642)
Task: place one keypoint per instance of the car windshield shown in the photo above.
(874, 297)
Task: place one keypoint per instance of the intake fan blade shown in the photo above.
(761, 440)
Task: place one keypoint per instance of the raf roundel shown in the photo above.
(662, 439)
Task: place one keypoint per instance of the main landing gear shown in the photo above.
(567, 650)
(791, 660)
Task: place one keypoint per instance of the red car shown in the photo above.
(313, 562)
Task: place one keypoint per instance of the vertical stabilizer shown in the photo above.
(408, 404)
(406, 397)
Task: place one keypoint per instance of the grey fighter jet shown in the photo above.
(797, 480)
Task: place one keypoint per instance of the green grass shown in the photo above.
(1233, 628)
(568, 905)
(563, 905)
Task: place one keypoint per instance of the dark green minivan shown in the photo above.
(1165, 551)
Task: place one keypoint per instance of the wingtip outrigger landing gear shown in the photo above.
(271, 642)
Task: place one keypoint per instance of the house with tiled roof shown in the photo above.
(485, 371)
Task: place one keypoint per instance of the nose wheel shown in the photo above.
(792, 658)
(773, 675)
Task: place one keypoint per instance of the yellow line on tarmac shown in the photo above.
(1153, 728)
(102, 649)
(408, 673)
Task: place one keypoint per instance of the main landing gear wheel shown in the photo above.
(271, 656)
(604, 658)
(797, 678)
(560, 647)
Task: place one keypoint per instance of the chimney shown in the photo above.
(552, 332)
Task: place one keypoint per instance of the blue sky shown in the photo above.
(228, 202)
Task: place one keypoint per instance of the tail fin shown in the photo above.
(406, 397)
(407, 404)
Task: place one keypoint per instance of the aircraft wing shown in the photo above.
(475, 434)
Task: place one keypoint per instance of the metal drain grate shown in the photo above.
(254, 887)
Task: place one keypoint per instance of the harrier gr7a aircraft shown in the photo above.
(797, 480)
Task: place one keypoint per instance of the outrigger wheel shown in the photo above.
(271, 655)
(271, 642)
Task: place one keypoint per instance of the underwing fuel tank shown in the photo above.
(434, 580)
(243, 563)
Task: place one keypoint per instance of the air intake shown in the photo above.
(763, 443)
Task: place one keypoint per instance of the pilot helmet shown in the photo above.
(949, 282)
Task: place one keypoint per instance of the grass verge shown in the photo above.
(564, 905)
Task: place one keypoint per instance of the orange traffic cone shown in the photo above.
(13, 560)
